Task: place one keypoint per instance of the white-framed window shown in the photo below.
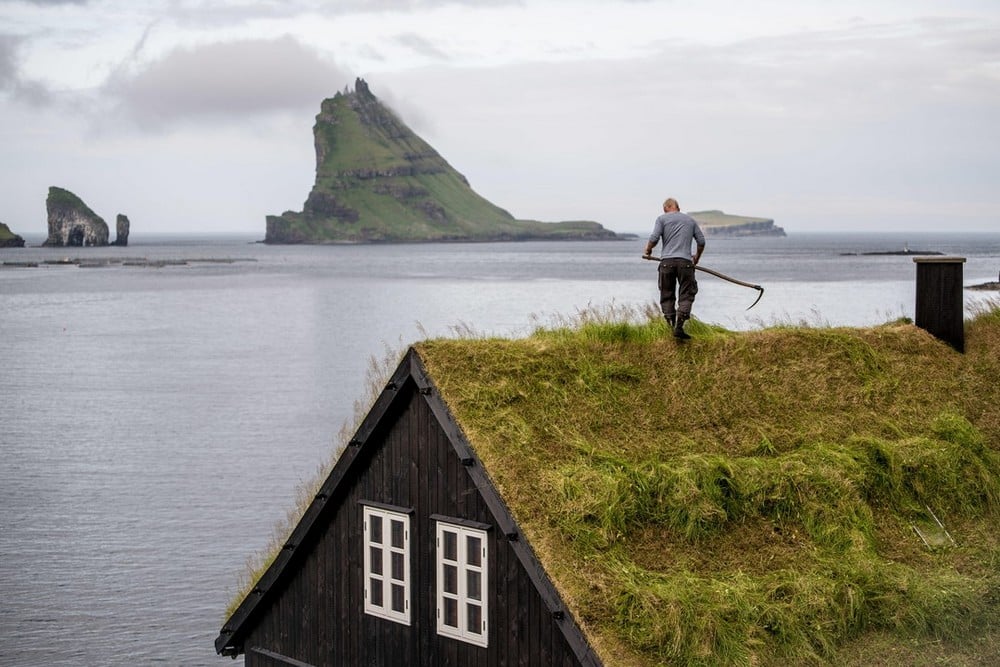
(462, 583)
(387, 564)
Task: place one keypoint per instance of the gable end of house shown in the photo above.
(408, 462)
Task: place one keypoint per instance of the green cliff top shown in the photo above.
(720, 219)
(59, 198)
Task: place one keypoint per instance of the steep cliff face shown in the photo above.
(71, 222)
(377, 181)
(9, 239)
(717, 223)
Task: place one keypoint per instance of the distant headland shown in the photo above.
(378, 182)
(717, 223)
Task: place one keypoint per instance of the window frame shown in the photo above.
(463, 530)
(387, 550)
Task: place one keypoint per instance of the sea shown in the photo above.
(162, 403)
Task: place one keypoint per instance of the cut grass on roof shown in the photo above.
(747, 498)
(744, 498)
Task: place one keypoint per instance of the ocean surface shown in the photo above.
(157, 419)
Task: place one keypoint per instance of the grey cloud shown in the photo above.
(238, 78)
(45, 3)
(8, 64)
(407, 5)
(859, 74)
(20, 89)
(871, 111)
(221, 14)
(421, 46)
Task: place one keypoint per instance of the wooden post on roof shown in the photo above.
(940, 300)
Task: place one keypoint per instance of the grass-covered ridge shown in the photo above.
(60, 198)
(754, 497)
(720, 219)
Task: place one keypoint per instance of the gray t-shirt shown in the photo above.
(676, 231)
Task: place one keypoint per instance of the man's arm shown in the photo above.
(649, 248)
(699, 240)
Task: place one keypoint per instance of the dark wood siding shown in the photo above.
(318, 618)
(940, 307)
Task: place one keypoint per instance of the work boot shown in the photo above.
(679, 332)
(671, 320)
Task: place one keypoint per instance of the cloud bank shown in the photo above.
(225, 81)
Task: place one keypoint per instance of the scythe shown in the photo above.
(724, 277)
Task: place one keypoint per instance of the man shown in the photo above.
(676, 231)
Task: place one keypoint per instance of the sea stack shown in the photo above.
(378, 182)
(71, 222)
(121, 230)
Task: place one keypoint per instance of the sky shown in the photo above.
(195, 116)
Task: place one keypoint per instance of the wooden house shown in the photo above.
(408, 555)
(603, 496)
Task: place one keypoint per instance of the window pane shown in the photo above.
(375, 529)
(451, 579)
(397, 533)
(376, 588)
(397, 566)
(451, 613)
(450, 546)
(474, 618)
(472, 554)
(397, 597)
(376, 559)
(472, 585)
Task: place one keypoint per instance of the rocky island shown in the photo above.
(9, 239)
(991, 285)
(377, 181)
(73, 223)
(717, 223)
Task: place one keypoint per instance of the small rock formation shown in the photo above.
(987, 286)
(71, 222)
(9, 239)
(121, 230)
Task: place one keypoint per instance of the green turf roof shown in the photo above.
(746, 498)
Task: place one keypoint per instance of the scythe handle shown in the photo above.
(725, 277)
(715, 273)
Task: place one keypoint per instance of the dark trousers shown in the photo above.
(677, 287)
